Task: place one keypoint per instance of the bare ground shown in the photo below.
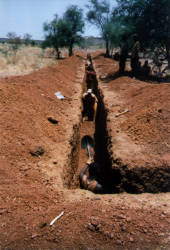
(36, 188)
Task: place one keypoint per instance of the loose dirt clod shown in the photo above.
(37, 151)
(52, 120)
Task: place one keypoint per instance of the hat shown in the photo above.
(89, 91)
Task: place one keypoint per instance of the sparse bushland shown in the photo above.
(16, 60)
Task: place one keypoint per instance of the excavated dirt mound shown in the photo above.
(138, 126)
(40, 152)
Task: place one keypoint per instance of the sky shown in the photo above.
(28, 16)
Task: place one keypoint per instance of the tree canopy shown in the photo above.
(52, 38)
(99, 14)
(149, 19)
(27, 39)
(13, 38)
(65, 31)
(74, 23)
(110, 26)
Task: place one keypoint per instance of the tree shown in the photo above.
(13, 38)
(33, 43)
(65, 31)
(114, 30)
(73, 25)
(150, 21)
(99, 14)
(27, 38)
(52, 38)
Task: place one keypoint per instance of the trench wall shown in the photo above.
(116, 175)
(73, 153)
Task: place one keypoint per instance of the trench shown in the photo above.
(97, 129)
(112, 174)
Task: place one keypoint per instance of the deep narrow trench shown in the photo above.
(111, 174)
(79, 156)
(109, 178)
(116, 177)
(97, 130)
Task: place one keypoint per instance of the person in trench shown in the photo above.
(88, 177)
(89, 105)
(90, 76)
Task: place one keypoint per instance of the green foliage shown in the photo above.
(100, 15)
(52, 38)
(13, 38)
(74, 25)
(149, 19)
(33, 43)
(66, 31)
(27, 38)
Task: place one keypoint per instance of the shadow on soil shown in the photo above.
(111, 173)
(148, 79)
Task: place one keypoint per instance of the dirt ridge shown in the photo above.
(136, 171)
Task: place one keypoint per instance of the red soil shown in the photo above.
(140, 138)
(34, 189)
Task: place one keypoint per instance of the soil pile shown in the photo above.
(38, 157)
(138, 116)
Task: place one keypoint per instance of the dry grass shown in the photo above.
(23, 60)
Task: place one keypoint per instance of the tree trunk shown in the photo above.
(58, 53)
(70, 50)
(168, 53)
(107, 48)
